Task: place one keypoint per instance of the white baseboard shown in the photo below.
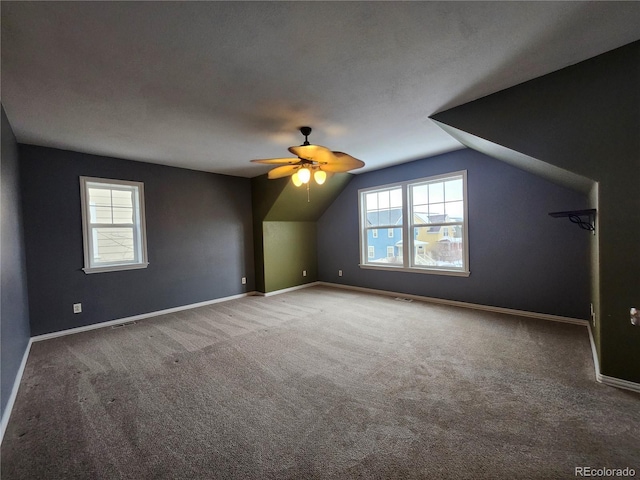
(594, 353)
(14, 391)
(618, 383)
(290, 289)
(134, 318)
(605, 379)
(455, 303)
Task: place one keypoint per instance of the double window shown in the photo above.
(113, 225)
(426, 221)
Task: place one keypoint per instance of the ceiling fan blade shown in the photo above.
(314, 153)
(277, 161)
(283, 171)
(343, 163)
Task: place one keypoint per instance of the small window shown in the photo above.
(375, 233)
(390, 232)
(113, 225)
(390, 252)
(372, 252)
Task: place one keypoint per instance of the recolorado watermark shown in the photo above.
(604, 472)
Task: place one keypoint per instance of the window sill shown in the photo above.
(115, 268)
(430, 271)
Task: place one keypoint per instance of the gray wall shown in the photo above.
(199, 238)
(520, 257)
(585, 119)
(14, 312)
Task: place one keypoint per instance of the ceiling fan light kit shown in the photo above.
(320, 176)
(304, 174)
(310, 158)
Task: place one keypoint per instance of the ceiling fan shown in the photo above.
(310, 159)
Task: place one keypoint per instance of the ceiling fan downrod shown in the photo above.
(305, 131)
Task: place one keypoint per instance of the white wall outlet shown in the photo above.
(339, 273)
(77, 308)
(304, 273)
(244, 280)
(593, 315)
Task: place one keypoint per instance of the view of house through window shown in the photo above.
(430, 212)
(113, 225)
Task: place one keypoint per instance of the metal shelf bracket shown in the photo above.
(576, 216)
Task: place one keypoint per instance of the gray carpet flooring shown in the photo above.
(319, 383)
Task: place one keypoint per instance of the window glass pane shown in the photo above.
(373, 219)
(436, 192)
(122, 198)
(384, 249)
(440, 246)
(454, 211)
(100, 196)
(100, 214)
(123, 215)
(420, 194)
(100, 205)
(372, 201)
(421, 216)
(384, 217)
(453, 190)
(420, 200)
(383, 199)
(396, 198)
(436, 213)
(384, 207)
(113, 244)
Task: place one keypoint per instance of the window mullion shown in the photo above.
(407, 239)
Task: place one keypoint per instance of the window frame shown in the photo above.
(139, 226)
(407, 228)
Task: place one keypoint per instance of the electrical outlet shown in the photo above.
(244, 280)
(304, 273)
(593, 315)
(77, 308)
(339, 273)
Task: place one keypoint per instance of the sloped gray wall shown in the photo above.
(584, 119)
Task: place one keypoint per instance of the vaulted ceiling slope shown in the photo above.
(211, 85)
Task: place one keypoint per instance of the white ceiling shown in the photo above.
(212, 85)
